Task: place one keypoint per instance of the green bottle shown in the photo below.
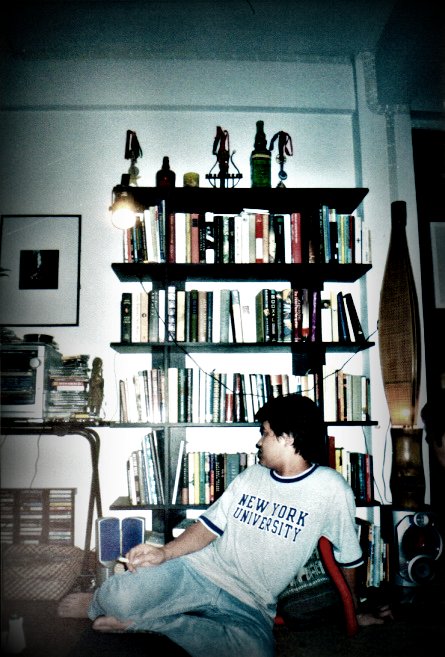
(260, 160)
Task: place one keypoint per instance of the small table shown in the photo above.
(23, 428)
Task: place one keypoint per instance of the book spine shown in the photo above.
(359, 336)
(194, 237)
(343, 332)
(259, 238)
(171, 237)
(153, 319)
(126, 316)
(235, 316)
(202, 316)
(194, 302)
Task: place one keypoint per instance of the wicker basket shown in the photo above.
(40, 572)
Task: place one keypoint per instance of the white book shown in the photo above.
(178, 471)
(136, 318)
(143, 296)
(202, 396)
(161, 314)
(329, 396)
(245, 237)
(326, 316)
(170, 329)
(209, 238)
(195, 394)
(238, 221)
(248, 315)
(216, 321)
(180, 315)
(180, 236)
(172, 377)
(334, 311)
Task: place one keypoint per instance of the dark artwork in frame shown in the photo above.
(39, 270)
(40, 265)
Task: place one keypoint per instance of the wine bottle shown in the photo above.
(260, 159)
(165, 177)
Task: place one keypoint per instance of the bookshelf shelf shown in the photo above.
(218, 347)
(183, 199)
(314, 274)
(308, 357)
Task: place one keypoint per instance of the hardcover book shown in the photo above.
(126, 314)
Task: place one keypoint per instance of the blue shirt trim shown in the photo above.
(291, 480)
(351, 564)
(210, 525)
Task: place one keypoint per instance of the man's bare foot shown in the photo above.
(74, 605)
(110, 624)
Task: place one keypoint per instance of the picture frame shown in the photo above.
(437, 234)
(40, 270)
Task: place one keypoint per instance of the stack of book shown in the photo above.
(68, 388)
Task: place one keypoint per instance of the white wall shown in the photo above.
(62, 136)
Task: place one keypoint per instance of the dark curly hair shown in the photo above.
(299, 417)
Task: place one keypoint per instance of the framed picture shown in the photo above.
(437, 229)
(40, 270)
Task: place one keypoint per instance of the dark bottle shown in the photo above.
(260, 160)
(165, 177)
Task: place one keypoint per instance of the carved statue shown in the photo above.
(96, 388)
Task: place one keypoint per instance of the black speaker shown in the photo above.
(108, 539)
(418, 544)
(133, 530)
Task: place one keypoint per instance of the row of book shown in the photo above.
(204, 476)
(346, 397)
(376, 567)
(226, 316)
(253, 236)
(200, 477)
(199, 397)
(357, 469)
(145, 471)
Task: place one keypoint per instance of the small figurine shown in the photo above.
(133, 150)
(96, 388)
(223, 158)
(284, 148)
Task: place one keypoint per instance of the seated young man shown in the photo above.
(213, 590)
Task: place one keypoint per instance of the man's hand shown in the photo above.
(144, 555)
(377, 617)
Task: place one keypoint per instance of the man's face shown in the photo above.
(270, 447)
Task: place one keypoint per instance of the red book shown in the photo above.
(296, 244)
(194, 236)
(331, 451)
(259, 242)
(171, 237)
(369, 477)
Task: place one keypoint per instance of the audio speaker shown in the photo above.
(418, 545)
(132, 533)
(108, 539)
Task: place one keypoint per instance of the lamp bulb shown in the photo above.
(123, 218)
